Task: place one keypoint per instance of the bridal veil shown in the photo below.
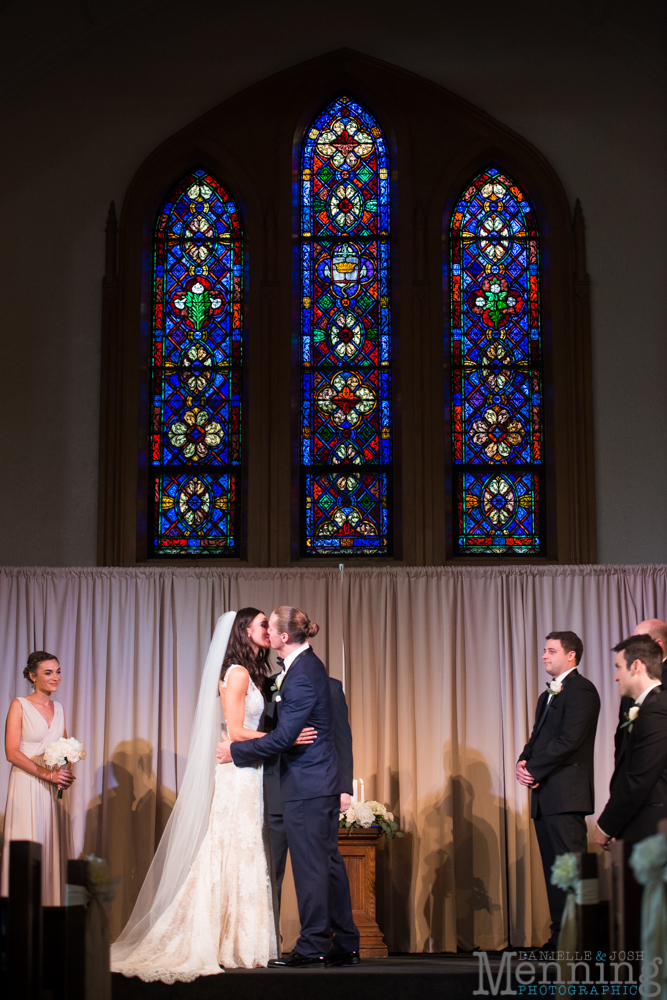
(188, 822)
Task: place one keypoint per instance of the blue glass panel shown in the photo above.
(497, 513)
(196, 357)
(195, 514)
(495, 342)
(345, 330)
(347, 514)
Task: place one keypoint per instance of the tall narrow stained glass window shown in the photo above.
(345, 336)
(196, 354)
(496, 366)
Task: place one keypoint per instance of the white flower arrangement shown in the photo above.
(565, 872)
(556, 687)
(371, 813)
(99, 880)
(64, 751)
(648, 859)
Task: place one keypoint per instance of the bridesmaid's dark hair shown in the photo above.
(34, 660)
(240, 650)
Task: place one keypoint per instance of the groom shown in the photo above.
(309, 785)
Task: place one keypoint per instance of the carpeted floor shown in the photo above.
(399, 977)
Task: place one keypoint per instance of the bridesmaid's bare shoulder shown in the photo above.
(15, 710)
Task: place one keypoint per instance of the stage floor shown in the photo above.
(399, 977)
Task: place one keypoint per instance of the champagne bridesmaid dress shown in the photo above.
(33, 811)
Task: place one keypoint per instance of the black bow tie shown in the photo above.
(549, 685)
(280, 662)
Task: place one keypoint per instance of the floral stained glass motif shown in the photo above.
(345, 336)
(196, 372)
(496, 365)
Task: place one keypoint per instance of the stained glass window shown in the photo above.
(196, 354)
(345, 335)
(496, 399)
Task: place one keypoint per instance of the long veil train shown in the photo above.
(188, 822)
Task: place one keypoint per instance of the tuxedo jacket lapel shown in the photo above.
(292, 666)
(622, 746)
(549, 705)
(627, 733)
(541, 712)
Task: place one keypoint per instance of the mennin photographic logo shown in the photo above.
(545, 976)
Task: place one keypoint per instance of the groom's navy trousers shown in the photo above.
(309, 783)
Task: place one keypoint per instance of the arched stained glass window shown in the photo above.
(345, 337)
(196, 355)
(496, 366)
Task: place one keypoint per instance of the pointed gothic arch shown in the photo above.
(441, 141)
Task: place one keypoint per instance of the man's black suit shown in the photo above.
(559, 756)
(626, 705)
(273, 802)
(638, 789)
(311, 801)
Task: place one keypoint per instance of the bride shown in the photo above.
(207, 900)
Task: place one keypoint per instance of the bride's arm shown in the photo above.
(61, 777)
(233, 705)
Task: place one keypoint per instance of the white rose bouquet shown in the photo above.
(62, 752)
(366, 814)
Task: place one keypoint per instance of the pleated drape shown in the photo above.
(442, 669)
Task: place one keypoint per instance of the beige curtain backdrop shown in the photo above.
(442, 670)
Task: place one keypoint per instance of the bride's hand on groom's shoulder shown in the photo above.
(224, 751)
(307, 735)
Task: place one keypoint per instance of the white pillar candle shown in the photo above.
(361, 784)
(354, 791)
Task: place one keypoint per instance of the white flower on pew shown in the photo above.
(99, 880)
(648, 859)
(565, 872)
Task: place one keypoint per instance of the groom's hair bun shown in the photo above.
(34, 660)
(295, 623)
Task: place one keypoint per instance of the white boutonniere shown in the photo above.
(275, 687)
(630, 717)
(555, 687)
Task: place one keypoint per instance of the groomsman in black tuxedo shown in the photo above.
(557, 761)
(657, 630)
(273, 801)
(638, 790)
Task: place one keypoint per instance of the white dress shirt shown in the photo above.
(288, 661)
(559, 679)
(642, 696)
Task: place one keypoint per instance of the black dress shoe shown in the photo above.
(296, 961)
(340, 958)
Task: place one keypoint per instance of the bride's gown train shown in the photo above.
(223, 914)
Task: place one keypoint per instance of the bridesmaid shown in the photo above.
(33, 811)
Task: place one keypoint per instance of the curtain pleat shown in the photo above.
(442, 668)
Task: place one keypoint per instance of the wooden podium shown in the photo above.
(357, 848)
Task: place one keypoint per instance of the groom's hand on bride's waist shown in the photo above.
(224, 751)
(307, 735)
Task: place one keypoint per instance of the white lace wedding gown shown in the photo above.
(223, 914)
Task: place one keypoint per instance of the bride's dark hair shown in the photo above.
(240, 650)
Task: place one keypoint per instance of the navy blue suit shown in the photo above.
(273, 801)
(309, 784)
